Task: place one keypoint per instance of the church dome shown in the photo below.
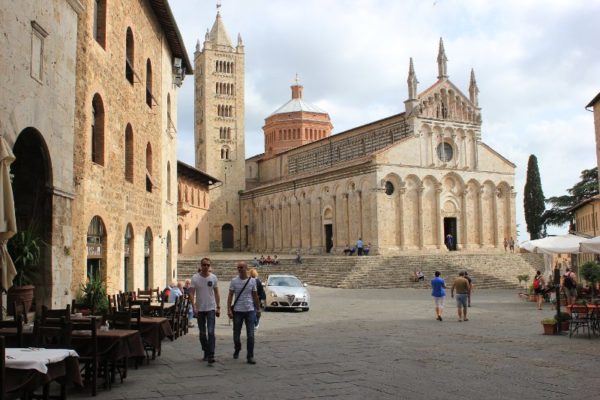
(297, 104)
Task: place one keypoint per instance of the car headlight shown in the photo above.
(272, 294)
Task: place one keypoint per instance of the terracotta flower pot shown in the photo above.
(549, 329)
(19, 294)
(564, 326)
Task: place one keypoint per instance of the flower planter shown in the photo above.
(549, 329)
(564, 326)
(19, 294)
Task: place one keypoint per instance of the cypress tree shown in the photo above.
(534, 200)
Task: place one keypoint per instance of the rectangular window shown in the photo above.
(197, 236)
(38, 34)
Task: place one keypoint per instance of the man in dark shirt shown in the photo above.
(461, 285)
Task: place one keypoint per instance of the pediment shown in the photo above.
(444, 101)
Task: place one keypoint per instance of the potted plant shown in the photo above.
(549, 326)
(93, 295)
(564, 319)
(590, 271)
(25, 249)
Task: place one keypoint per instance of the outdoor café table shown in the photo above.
(118, 343)
(158, 306)
(154, 330)
(30, 368)
(10, 333)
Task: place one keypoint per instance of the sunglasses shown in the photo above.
(240, 268)
(205, 265)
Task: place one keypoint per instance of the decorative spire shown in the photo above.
(297, 88)
(240, 43)
(218, 34)
(412, 81)
(206, 35)
(473, 89)
(198, 45)
(442, 62)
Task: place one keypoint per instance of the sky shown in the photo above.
(537, 65)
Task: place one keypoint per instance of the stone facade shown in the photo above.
(402, 183)
(37, 111)
(130, 61)
(595, 105)
(587, 223)
(294, 124)
(193, 204)
(219, 130)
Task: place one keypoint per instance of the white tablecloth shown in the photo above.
(38, 359)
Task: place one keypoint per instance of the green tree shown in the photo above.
(534, 200)
(560, 211)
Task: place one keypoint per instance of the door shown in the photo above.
(227, 236)
(328, 237)
(450, 230)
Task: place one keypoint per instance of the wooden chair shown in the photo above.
(155, 294)
(53, 317)
(15, 340)
(92, 360)
(78, 307)
(20, 309)
(120, 319)
(144, 294)
(183, 316)
(52, 335)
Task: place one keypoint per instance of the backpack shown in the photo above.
(568, 281)
(537, 283)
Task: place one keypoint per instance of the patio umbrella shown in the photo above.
(8, 223)
(560, 244)
(591, 245)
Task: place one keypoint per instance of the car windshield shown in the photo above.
(285, 281)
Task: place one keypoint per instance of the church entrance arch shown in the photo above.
(32, 175)
(227, 236)
(450, 232)
(328, 237)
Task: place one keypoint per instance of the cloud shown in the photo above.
(536, 64)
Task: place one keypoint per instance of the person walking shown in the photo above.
(359, 247)
(438, 292)
(461, 285)
(538, 288)
(204, 295)
(243, 310)
(569, 284)
(467, 277)
(450, 242)
(511, 244)
(505, 245)
(262, 296)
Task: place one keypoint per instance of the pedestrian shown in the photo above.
(438, 292)
(243, 310)
(505, 245)
(569, 284)
(260, 290)
(450, 242)
(359, 247)
(175, 291)
(538, 288)
(461, 285)
(206, 303)
(511, 245)
(186, 291)
(298, 257)
(467, 277)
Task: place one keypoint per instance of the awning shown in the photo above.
(590, 245)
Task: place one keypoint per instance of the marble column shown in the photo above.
(401, 192)
(273, 222)
(320, 227)
(480, 215)
(360, 213)
(496, 194)
(420, 214)
(464, 219)
(280, 207)
(310, 223)
(346, 198)
(291, 226)
(439, 228)
(335, 222)
(300, 220)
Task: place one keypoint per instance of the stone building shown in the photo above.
(219, 130)
(595, 105)
(294, 124)
(193, 204)
(403, 183)
(130, 62)
(37, 111)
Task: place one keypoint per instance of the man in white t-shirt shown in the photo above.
(204, 295)
(243, 310)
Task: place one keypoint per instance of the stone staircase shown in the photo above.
(488, 270)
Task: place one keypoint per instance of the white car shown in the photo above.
(286, 292)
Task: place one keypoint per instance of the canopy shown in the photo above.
(561, 244)
(8, 224)
(591, 245)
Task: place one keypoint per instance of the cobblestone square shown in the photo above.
(380, 344)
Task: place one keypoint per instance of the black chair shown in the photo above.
(53, 317)
(92, 360)
(21, 310)
(580, 319)
(55, 335)
(120, 319)
(15, 340)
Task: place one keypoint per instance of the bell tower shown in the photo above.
(219, 130)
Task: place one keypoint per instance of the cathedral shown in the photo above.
(403, 183)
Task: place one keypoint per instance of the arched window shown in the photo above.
(97, 130)
(148, 259)
(179, 239)
(149, 168)
(225, 153)
(169, 122)
(170, 272)
(168, 180)
(129, 53)
(129, 153)
(228, 133)
(149, 83)
(128, 259)
(96, 248)
(100, 22)
(227, 236)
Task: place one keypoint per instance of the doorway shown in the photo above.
(227, 236)
(450, 231)
(328, 237)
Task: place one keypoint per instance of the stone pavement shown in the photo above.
(380, 344)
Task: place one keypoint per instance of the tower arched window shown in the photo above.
(149, 83)
(168, 180)
(169, 109)
(97, 130)
(225, 155)
(149, 168)
(129, 56)
(100, 22)
(129, 153)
